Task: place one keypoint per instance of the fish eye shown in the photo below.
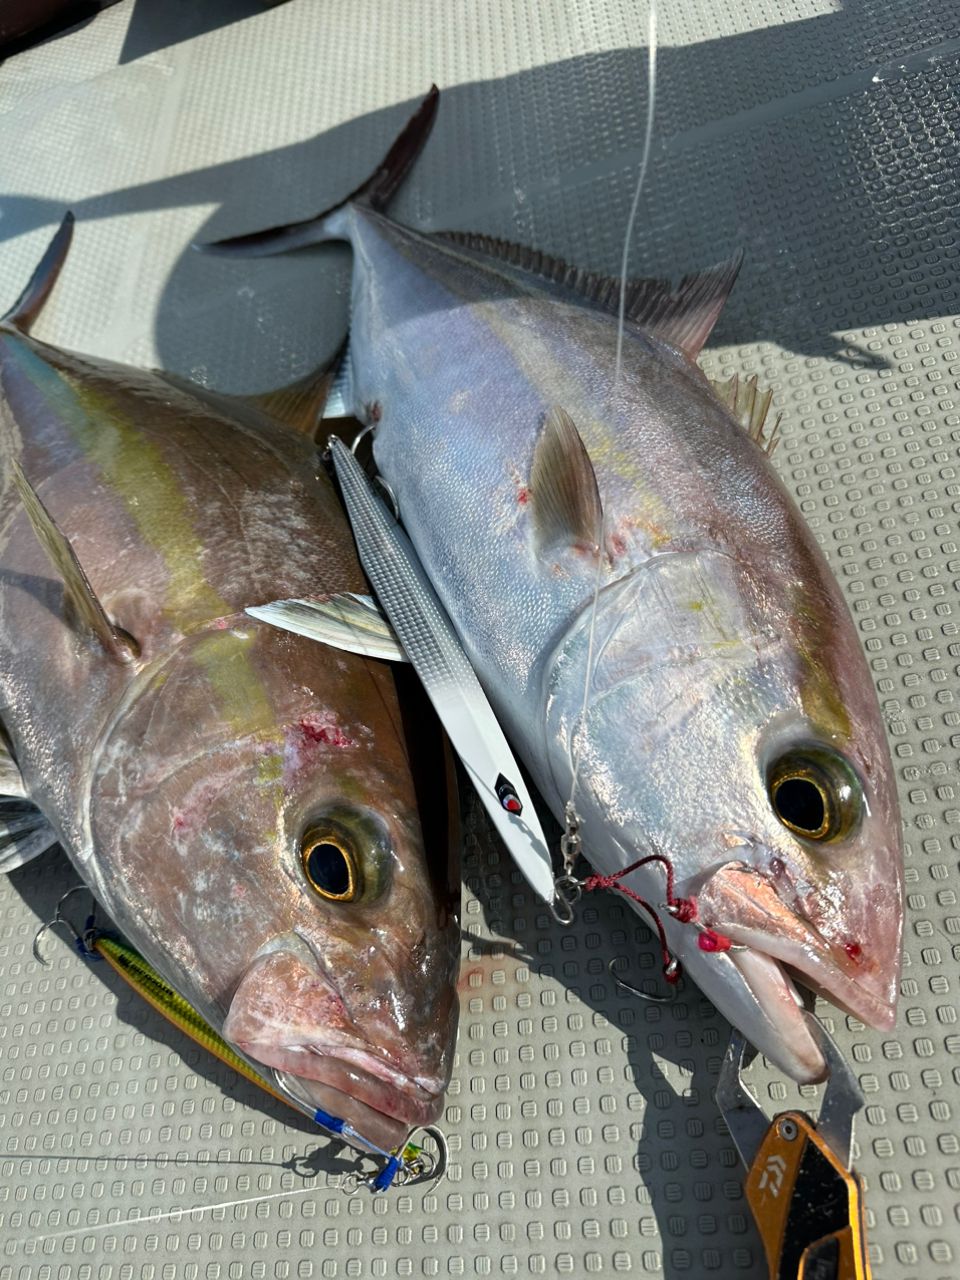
(346, 854)
(331, 868)
(815, 793)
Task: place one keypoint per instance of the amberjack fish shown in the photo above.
(652, 620)
(241, 800)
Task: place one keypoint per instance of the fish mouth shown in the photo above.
(287, 1014)
(743, 904)
(362, 1088)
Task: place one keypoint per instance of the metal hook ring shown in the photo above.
(434, 1166)
(635, 991)
(567, 891)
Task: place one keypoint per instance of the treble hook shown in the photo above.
(82, 941)
(672, 968)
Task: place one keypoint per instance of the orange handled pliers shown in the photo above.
(805, 1197)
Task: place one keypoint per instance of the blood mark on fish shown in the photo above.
(314, 731)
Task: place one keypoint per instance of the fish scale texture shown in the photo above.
(822, 137)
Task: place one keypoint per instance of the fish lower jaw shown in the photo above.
(358, 1077)
(376, 1128)
(430, 1086)
(795, 1051)
(819, 972)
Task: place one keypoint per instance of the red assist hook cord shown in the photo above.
(682, 909)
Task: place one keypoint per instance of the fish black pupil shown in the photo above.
(800, 803)
(328, 869)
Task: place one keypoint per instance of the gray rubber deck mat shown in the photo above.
(822, 136)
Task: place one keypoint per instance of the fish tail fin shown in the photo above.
(375, 193)
(30, 303)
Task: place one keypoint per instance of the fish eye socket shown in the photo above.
(815, 793)
(331, 869)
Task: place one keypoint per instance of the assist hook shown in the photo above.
(83, 942)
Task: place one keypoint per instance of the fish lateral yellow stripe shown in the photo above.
(137, 472)
(145, 980)
(139, 475)
(226, 663)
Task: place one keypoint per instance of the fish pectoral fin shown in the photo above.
(375, 193)
(24, 831)
(345, 621)
(12, 786)
(750, 407)
(24, 834)
(31, 302)
(62, 556)
(339, 397)
(684, 316)
(564, 497)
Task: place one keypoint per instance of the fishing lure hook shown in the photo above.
(82, 941)
(414, 1169)
(645, 995)
(378, 480)
(382, 485)
(369, 429)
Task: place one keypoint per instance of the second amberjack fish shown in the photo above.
(715, 709)
(244, 802)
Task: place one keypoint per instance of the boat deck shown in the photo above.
(821, 135)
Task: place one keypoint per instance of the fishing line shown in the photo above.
(571, 841)
(147, 1219)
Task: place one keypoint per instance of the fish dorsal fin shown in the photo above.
(683, 316)
(750, 407)
(62, 556)
(564, 496)
(344, 621)
(30, 303)
(300, 404)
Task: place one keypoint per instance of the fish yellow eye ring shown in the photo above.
(331, 870)
(815, 794)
